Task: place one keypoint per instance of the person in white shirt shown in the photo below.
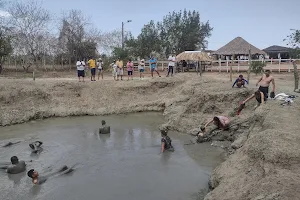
(100, 68)
(114, 70)
(172, 61)
(80, 69)
(142, 68)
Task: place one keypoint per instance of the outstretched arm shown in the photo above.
(208, 123)
(259, 81)
(162, 147)
(249, 98)
(235, 82)
(246, 81)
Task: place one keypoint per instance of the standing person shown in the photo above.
(172, 61)
(142, 68)
(264, 83)
(80, 70)
(92, 64)
(120, 69)
(130, 69)
(153, 66)
(114, 70)
(100, 68)
(240, 81)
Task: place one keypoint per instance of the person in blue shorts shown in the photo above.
(153, 66)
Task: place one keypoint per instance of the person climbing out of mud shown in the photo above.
(240, 81)
(36, 146)
(264, 83)
(259, 96)
(166, 142)
(15, 167)
(38, 180)
(220, 122)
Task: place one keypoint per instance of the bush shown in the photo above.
(257, 67)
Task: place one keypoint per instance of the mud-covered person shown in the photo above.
(259, 96)
(36, 147)
(240, 82)
(38, 180)
(264, 83)
(16, 166)
(220, 122)
(166, 142)
(104, 129)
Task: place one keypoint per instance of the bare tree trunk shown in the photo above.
(296, 76)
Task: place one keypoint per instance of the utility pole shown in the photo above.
(123, 23)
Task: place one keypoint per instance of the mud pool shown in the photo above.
(123, 165)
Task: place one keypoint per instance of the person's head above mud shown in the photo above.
(104, 129)
(36, 146)
(103, 122)
(166, 142)
(164, 133)
(16, 166)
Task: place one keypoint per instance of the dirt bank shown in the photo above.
(264, 145)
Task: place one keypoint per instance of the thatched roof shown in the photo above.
(238, 46)
(193, 55)
(277, 49)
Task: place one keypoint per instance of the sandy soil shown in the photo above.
(263, 145)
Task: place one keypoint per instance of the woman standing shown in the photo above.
(130, 69)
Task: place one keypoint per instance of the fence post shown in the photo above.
(289, 69)
(220, 64)
(271, 61)
(227, 65)
(238, 65)
(279, 65)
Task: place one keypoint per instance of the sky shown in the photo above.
(261, 22)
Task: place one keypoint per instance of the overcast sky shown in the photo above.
(261, 22)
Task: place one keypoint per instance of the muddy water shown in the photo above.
(123, 165)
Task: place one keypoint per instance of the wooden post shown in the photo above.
(33, 75)
(220, 64)
(200, 68)
(232, 60)
(249, 66)
(296, 76)
(197, 68)
(279, 65)
(227, 65)
(238, 64)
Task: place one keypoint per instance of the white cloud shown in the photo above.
(4, 13)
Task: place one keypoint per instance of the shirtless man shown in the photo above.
(38, 180)
(220, 122)
(264, 83)
(16, 166)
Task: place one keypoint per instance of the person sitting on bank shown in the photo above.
(220, 122)
(16, 166)
(240, 81)
(259, 96)
(38, 180)
(36, 146)
(104, 129)
(166, 142)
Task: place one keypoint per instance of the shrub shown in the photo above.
(257, 67)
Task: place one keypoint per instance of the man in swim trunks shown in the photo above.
(38, 180)
(36, 146)
(16, 166)
(153, 66)
(264, 83)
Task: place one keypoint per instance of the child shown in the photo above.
(166, 142)
(100, 68)
(130, 69)
(142, 68)
(240, 81)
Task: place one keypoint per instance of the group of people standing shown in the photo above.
(118, 68)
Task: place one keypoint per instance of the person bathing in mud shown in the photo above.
(259, 96)
(264, 83)
(220, 122)
(166, 142)
(38, 180)
(240, 81)
(36, 146)
(104, 129)
(16, 166)
(10, 144)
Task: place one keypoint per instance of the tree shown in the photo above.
(257, 66)
(28, 23)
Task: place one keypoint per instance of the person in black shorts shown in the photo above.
(166, 142)
(259, 96)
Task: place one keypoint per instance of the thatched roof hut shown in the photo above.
(238, 46)
(193, 56)
(278, 51)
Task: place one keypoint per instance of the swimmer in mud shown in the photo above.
(166, 142)
(264, 83)
(10, 144)
(104, 129)
(16, 166)
(220, 122)
(259, 96)
(240, 81)
(38, 180)
(36, 146)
